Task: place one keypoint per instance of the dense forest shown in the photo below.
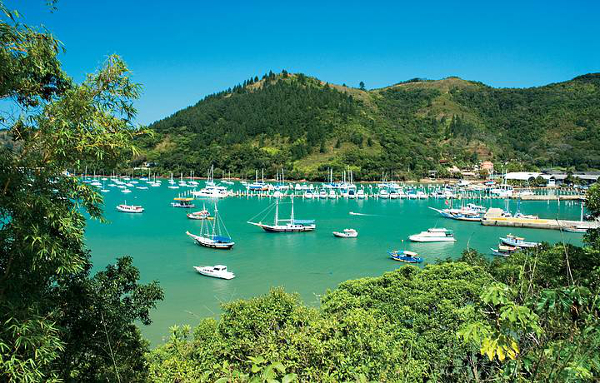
(306, 126)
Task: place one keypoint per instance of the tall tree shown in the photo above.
(60, 125)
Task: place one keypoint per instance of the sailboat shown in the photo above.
(286, 225)
(212, 234)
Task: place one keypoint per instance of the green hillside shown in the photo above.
(306, 126)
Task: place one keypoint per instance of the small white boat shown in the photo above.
(503, 250)
(347, 233)
(360, 194)
(433, 235)
(125, 190)
(218, 271)
(512, 240)
(575, 229)
(130, 208)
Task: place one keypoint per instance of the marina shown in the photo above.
(309, 263)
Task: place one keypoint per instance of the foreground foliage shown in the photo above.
(56, 321)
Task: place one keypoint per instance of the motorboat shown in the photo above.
(361, 194)
(504, 250)
(347, 233)
(434, 235)
(185, 203)
(575, 229)
(211, 191)
(383, 193)
(405, 256)
(463, 214)
(200, 215)
(525, 216)
(512, 240)
(217, 271)
(421, 195)
(130, 208)
(309, 194)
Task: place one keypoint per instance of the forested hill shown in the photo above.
(305, 126)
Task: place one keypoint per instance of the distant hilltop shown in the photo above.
(306, 126)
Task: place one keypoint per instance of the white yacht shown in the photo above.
(212, 192)
(433, 235)
(217, 271)
(347, 233)
(130, 208)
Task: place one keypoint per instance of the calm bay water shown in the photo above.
(307, 263)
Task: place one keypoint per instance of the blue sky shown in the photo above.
(181, 51)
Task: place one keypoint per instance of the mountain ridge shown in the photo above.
(306, 125)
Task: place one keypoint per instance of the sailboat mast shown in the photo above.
(216, 220)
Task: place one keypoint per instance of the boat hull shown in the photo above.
(211, 244)
(344, 235)
(226, 276)
(125, 210)
(524, 245)
(283, 229)
(417, 238)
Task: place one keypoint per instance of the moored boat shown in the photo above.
(503, 250)
(346, 233)
(217, 271)
(291, 225)
(200, 215)
(213, 234)
(434, 235)
(185, 203)
(405, 256)
(130, 208)
(512, 240)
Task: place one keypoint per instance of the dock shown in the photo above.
(494, 218)
(551, 197)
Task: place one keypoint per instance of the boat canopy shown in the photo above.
(221, 239)
(304, 221)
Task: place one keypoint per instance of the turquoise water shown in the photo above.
(307, 263)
